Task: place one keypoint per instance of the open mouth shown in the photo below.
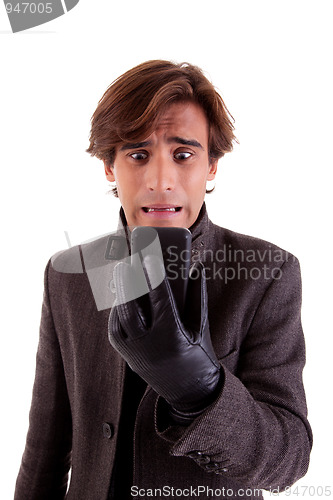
(161, 209)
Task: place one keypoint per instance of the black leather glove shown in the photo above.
(173, 355)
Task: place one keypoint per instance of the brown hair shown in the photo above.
(133, 103)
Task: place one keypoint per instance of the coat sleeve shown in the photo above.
(46, 458)
(256, 431)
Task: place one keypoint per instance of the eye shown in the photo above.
(183, 155)
(139, 156)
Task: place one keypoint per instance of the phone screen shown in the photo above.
(175, 245)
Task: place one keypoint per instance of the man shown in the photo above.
(208, 403)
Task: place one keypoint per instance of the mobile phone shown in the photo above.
(174, 244)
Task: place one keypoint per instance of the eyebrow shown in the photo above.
(179, 140)
(186, 142)
(135, 145)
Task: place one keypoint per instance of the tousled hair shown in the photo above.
(132, 105)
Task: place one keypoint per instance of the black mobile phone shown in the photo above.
(174, 244)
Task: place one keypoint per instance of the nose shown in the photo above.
(160, 174)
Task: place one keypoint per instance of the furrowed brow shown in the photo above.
(185, 142)
(135, 145)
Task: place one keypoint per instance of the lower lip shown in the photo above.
(162, 214)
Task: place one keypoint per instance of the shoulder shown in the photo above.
(248, 248)
(84, 272)
(96, 253)
(246, 266)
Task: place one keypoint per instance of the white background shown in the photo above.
(272, 63)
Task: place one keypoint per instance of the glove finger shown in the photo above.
(128, 288)
(155, 272)
(162, 302)
(115, 332)
(130, 282)
(196, 300)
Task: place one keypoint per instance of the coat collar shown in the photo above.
(199, 230)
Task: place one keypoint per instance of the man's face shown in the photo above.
(161, 180)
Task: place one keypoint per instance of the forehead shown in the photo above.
(181, 122)
(185, 117)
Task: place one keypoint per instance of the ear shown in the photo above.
(108, 171)
(212, 171)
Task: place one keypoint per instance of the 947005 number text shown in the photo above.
(29, 8)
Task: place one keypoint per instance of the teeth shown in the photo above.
(161, 209)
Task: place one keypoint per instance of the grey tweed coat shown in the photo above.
(254, 436)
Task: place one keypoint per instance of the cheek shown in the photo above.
(122, 179)
(197, 181)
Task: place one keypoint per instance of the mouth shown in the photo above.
(161, 209)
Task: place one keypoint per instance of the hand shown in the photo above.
(174, 356)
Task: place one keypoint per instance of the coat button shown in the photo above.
(199, 457)
(194, 454)
(204, 459)
(212, 466)
(108, 430)
(220, 471)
